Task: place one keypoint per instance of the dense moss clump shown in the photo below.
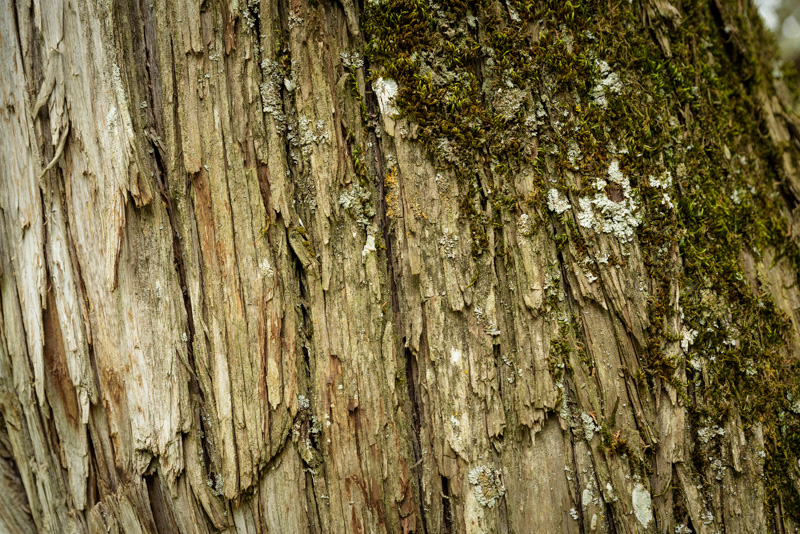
(670, 101)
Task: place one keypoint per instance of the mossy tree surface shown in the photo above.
(405, 266)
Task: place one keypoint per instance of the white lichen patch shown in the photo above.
(369, 246)
(455, 356)
(706, 433)
(455, 422)
(663, 182)
(448, 242)
(303, 402)
(795, 406)
(557, 202)
(487, 485)
(642, 505)
(552, 283)
(608, 82)
(491, 329)
(112, 118)
(351, 60)
(385, 90)
(619, 216)
(586, 498)
(524, 225)
(687, 339)
(574, 154)
(707, 517)
(309, 133)
(513, 12)
(266, 268)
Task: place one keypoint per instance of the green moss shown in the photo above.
(481, 89)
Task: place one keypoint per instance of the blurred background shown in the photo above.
(783, 18)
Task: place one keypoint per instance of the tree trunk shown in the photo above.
(315, 266)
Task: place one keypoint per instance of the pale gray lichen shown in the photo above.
(270, 88)
(111, 118)
(586, 498)
(609, 82)
(589, 426)
(557, 202)
(491, 329)
(687, 339)
(488, 486)
(448, 242)
(216, 485)
(552, 283)
(250, 14)
(795, 407)
(524, 225)
(266, 268)
(369, 246)
(311, 134)
(706, 433)
(294, 19)
(385, 91)
(351, 60)
(303, 403)
(357, 201)
(513, 12)
(611, 216)
(663, 182)
(574, 154)
(707, 517)
(508, 101)
(642, 505)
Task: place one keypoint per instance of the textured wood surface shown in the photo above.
(211, 322)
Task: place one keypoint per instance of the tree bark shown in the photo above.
(319, 266)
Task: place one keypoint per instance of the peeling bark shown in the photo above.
(240, 293)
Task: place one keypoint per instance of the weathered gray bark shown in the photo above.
(220, 314)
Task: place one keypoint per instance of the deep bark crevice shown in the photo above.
(180, 269)
(447, 512)
(610, 521)
(411, 382)
(162, 515)
(392, 268)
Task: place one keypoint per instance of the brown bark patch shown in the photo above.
(55, 361)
